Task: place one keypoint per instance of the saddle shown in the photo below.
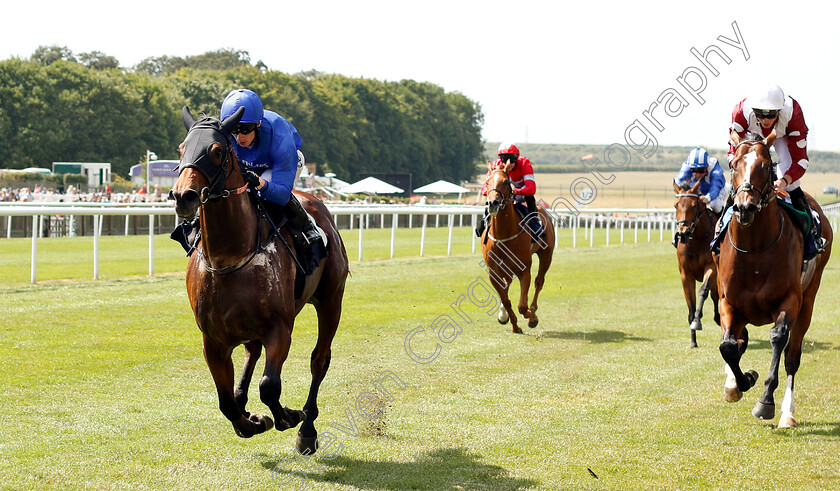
(810, 226)
(307, 259)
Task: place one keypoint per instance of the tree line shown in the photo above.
(58, 106)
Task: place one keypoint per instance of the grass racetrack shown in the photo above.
(104, 385)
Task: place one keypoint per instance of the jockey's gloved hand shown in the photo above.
(252, 179)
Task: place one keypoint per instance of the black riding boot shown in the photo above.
(535, 222)
(304, 231)
(482, 223)
(814, 244)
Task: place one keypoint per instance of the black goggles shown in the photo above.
(508, 156)
(765, 113)
(245, 129)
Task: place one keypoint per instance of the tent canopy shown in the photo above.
(371, 185)
(441, 187)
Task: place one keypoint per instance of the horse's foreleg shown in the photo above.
(253, 350)
(733, 344)
(329, 314)
(702, 295)
(765, 407)
(277, 343)
(505, 311)
(691, 303)
(221, 368)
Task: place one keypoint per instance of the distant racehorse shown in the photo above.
(242, 281)
(508, 249)
(695, 224)
(762, 280)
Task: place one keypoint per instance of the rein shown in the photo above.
(778, 238)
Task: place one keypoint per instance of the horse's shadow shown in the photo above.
(597, 336)
(443, 468)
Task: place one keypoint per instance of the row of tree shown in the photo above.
(60, 107)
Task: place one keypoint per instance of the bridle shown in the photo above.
(765, 194)
(216, 175)
(692, 224)
(506, 198)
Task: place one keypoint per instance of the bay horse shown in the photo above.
(762, 280)
(507, 249)
(241, 282)
(695, 225)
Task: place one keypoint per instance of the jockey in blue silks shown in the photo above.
(268, 148)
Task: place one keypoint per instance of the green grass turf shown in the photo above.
(104, 385)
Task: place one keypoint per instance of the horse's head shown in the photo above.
(207, 162)
(689, 208)
(753, 174)
(499, 188)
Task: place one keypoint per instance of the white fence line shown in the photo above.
(610, 219)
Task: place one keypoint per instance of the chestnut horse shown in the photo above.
(507, 248)
(241, 282)
(762, 280)
(695, 225)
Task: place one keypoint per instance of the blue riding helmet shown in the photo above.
(242, 98)
(698, 159)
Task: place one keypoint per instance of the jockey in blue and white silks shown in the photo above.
(700, 166)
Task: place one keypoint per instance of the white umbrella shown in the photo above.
(371, 185)
(442, 187)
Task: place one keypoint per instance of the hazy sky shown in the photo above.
(543, 72)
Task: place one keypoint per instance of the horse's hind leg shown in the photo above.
(545, 256)
(277, 343)
(253, 350)
(221, 368)
(793, 355)
(329, 314)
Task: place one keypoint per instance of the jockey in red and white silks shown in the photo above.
(783, 114)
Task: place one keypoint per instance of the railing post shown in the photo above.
(394, 219)
(151, 245)
(33, 264)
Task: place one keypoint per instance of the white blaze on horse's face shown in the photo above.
(749, 159)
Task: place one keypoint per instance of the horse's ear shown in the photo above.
(770, 139)
(230, 123)
(489, 165)
(696, 186)
(735, 138)
(188, 118)
(509, 167)
(677, 188)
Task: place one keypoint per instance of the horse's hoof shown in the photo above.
(764, 411)
(693, 344)
(696, 326)
(517, 330)
(263, 422)
(503, 316)
(752, 376)
(306, 445)
(786, 421)
(533, 323)
(732, 394)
